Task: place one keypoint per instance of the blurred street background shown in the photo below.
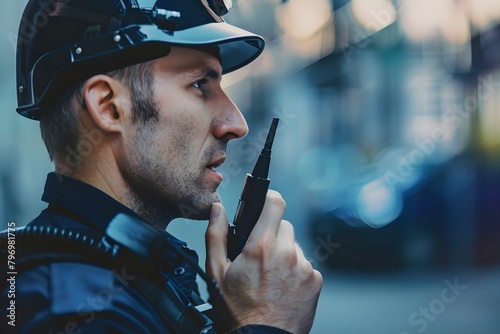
(388, 154)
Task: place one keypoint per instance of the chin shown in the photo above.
(200, 209)
(216, 198)
(194, 214)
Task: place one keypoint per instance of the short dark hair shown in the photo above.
(61, 126)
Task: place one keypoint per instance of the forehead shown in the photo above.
(188, 62)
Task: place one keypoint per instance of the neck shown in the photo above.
(106, 177)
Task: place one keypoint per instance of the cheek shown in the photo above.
(173, 143)
(185, 119)
(188, 126)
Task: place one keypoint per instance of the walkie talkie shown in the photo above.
(252, 198)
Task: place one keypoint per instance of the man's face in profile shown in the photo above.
(169, 163)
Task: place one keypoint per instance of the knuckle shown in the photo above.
(318, 280)
(318, 276)
(307, 272)
(256, 249)
(291, 258)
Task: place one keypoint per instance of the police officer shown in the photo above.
(133, 116)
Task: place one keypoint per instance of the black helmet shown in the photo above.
(62, 42)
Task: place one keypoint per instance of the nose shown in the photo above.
(229, 123)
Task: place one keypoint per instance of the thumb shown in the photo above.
(216, 243)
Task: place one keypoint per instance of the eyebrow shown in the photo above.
(207, 71)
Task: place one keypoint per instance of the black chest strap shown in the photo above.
(39, 245)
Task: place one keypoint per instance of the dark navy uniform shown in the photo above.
(75, 297)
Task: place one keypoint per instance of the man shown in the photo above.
(134, 118)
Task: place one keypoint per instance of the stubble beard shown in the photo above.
(161, 191)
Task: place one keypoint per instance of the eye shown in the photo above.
(199, 84)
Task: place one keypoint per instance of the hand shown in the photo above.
(270, 282)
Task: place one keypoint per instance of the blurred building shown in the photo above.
(391, 136)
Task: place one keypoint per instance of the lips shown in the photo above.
(213, 174)
(215, 163)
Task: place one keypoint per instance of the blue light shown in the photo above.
(378, 204)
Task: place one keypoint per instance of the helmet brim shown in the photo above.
(128, 46)
(237, 46)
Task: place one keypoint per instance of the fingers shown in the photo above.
(270, 218)
(296, 257)
(215, 241)
(286, 237)
(272, 282)
(285, 231)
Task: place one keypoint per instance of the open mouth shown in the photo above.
(212, 167)
(216, 163)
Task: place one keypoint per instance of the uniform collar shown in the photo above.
(96, 209)
(94, 206)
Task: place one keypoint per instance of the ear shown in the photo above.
(107, 102)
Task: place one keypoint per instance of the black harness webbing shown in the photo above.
(39, 245)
